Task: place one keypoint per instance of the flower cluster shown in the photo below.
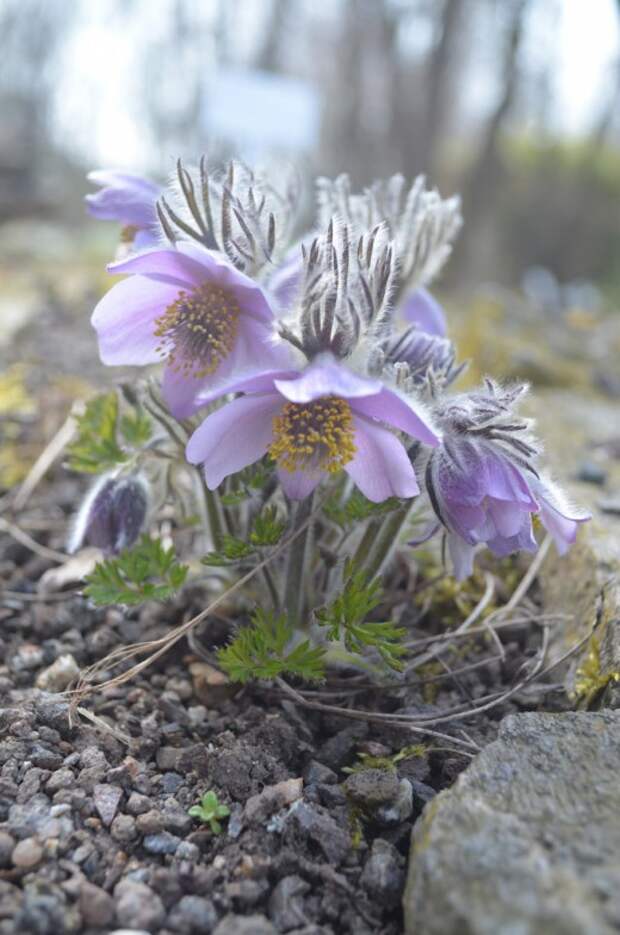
(327, 359)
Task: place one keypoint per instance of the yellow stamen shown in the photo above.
(202, 326)
(315, 435)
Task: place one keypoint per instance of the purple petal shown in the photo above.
(163, 265)
(524, 540)
(391, 408)
(326, 377)
(257, 349)
(234, 436)
(147, 238)
(507, 516)
(426, 533)
(421, 309)
(127, 198)
(299, 484)
(462, 556)
(381, 467)
(506, 482)
(258, 382)
(216, 268)
(124, 321)
(559, 519)
(284, 282)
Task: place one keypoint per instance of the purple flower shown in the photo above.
(191, 308)
(421, 309)
(480, 496)
(483, 483)
(129, 199)
(313, 424)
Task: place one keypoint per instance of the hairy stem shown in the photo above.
(295, 569)
(381, 542)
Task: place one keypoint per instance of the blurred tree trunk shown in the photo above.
(268, 57)
(481, 186)
(437, 84)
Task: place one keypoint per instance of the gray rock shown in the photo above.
(338, 749)
(58, 676)
(163, 843)
(93, 758)
(168, 758)
(44, 758)
(138, 804)
(188, 851)
(245, 925)
(123, 829)
(193, 915)
(176, 819)
(151, 822)
(318, 772)
(137, 906)
(393, 813)
(527, 840)
(383, 875)
(96, 906)
(27, 854)
(311, 822)
(61, 779)
(107, 799)
(372, 787)
(286, 909)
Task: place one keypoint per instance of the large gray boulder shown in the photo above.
(527, 841)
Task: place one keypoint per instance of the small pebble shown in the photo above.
(138, 906)
(187, 851)
(96, 906)
(163, 843)
(372, 787)
(58, 676)
(107, 799)
(193, 914)
(27, 853)
(123, 829)
(151, 822)
(400, 810)
(138, 804)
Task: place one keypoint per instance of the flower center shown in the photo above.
(314, 435)
(202, 326)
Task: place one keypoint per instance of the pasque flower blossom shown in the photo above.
(484, 487)
(313, 423)
(128, 199)
(420, 308)
(189, 307)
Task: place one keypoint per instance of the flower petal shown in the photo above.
(234, 436)
(251, 298)
(381, 467)
(421, 309)
(462, 555)
(163, 265)
(261, 381)
(124, 321)
(299, 484)
(559, 518)
(326, 377)
(389, 407)
(285, 280)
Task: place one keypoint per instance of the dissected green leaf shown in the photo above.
(358, 508)
(96, 449)
(148, 571)
(259, 651)
(345, 618)
(136, 428)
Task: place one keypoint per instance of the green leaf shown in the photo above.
(231, 550)
(259, 651)
(147, 571)
(268, 529)
(136, 428)
(345, 618)
(95, 448)
(358, 508)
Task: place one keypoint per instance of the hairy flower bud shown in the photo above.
(112, 514)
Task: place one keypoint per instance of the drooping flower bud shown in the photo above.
(112, 514)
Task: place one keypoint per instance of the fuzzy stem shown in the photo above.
(212, 506)
(271, 587)
(383, 539)
(295, 569)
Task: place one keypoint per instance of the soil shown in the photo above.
(94, 825)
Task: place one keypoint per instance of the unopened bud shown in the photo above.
(112, 514)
